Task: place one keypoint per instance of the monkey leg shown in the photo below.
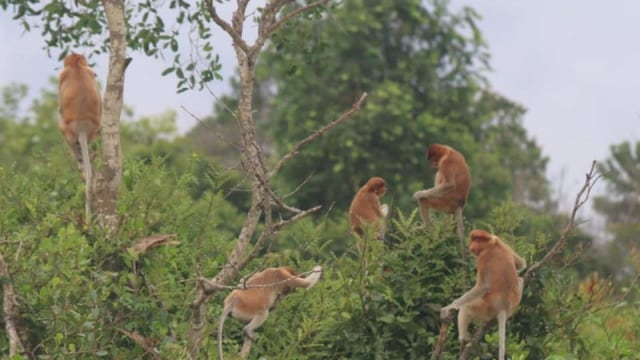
(255, 323)
(424, 210)
(464, 319)
(246, 348)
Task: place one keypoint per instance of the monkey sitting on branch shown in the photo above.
(497, 292)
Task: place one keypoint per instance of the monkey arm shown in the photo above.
(307, 282)
(520, 262)
(435, 191)
(471, 295)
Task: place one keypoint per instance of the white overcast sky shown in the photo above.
(574, 64)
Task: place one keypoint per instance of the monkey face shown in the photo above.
(479, 241)
(435, 153)
(377, 186)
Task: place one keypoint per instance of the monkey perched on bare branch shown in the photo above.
(498, 288)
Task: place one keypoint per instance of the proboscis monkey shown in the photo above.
(451, 189)
(263, 290)
(498, 288)
(80, 111)
(366, 208)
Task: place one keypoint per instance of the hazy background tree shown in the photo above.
(621, 208)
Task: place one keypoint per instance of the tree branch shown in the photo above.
(237, 39)
(9, 310)
(296, 149)
(581, 199)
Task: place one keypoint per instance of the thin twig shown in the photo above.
(581, 198)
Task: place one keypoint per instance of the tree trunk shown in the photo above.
(107, 184)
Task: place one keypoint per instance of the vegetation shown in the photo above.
(87, 289)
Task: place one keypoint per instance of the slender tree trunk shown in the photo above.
(108, 179)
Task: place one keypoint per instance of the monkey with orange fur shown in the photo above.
(498, 288)
(366, 208)
(80, 111)
(451, 190)
(263, 290)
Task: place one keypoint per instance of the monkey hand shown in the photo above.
(446, 313)
(422, 194)
(384, 209)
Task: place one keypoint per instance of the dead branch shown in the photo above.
(581, 198)
(144, 342)
(296, 149)
(237, 38)
(153, 242)
(10, 312)
(442, 337)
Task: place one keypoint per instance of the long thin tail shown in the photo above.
(86, 169)
(223, 317)
(460, 232)
(502, 333)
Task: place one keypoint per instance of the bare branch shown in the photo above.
(296, 149)
(235, 36)
(144, 342)
(295, 13)
(154, 241)
(10, 312)
(442, 337)
(581, 199)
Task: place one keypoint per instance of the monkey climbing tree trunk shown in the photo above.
(107, 182)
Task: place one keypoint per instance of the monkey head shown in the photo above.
(377, 186)
(480, 240)
(75, 59)
(435, 152)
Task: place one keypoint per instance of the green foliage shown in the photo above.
(153, 28)
(620, 207)
(80, 291)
